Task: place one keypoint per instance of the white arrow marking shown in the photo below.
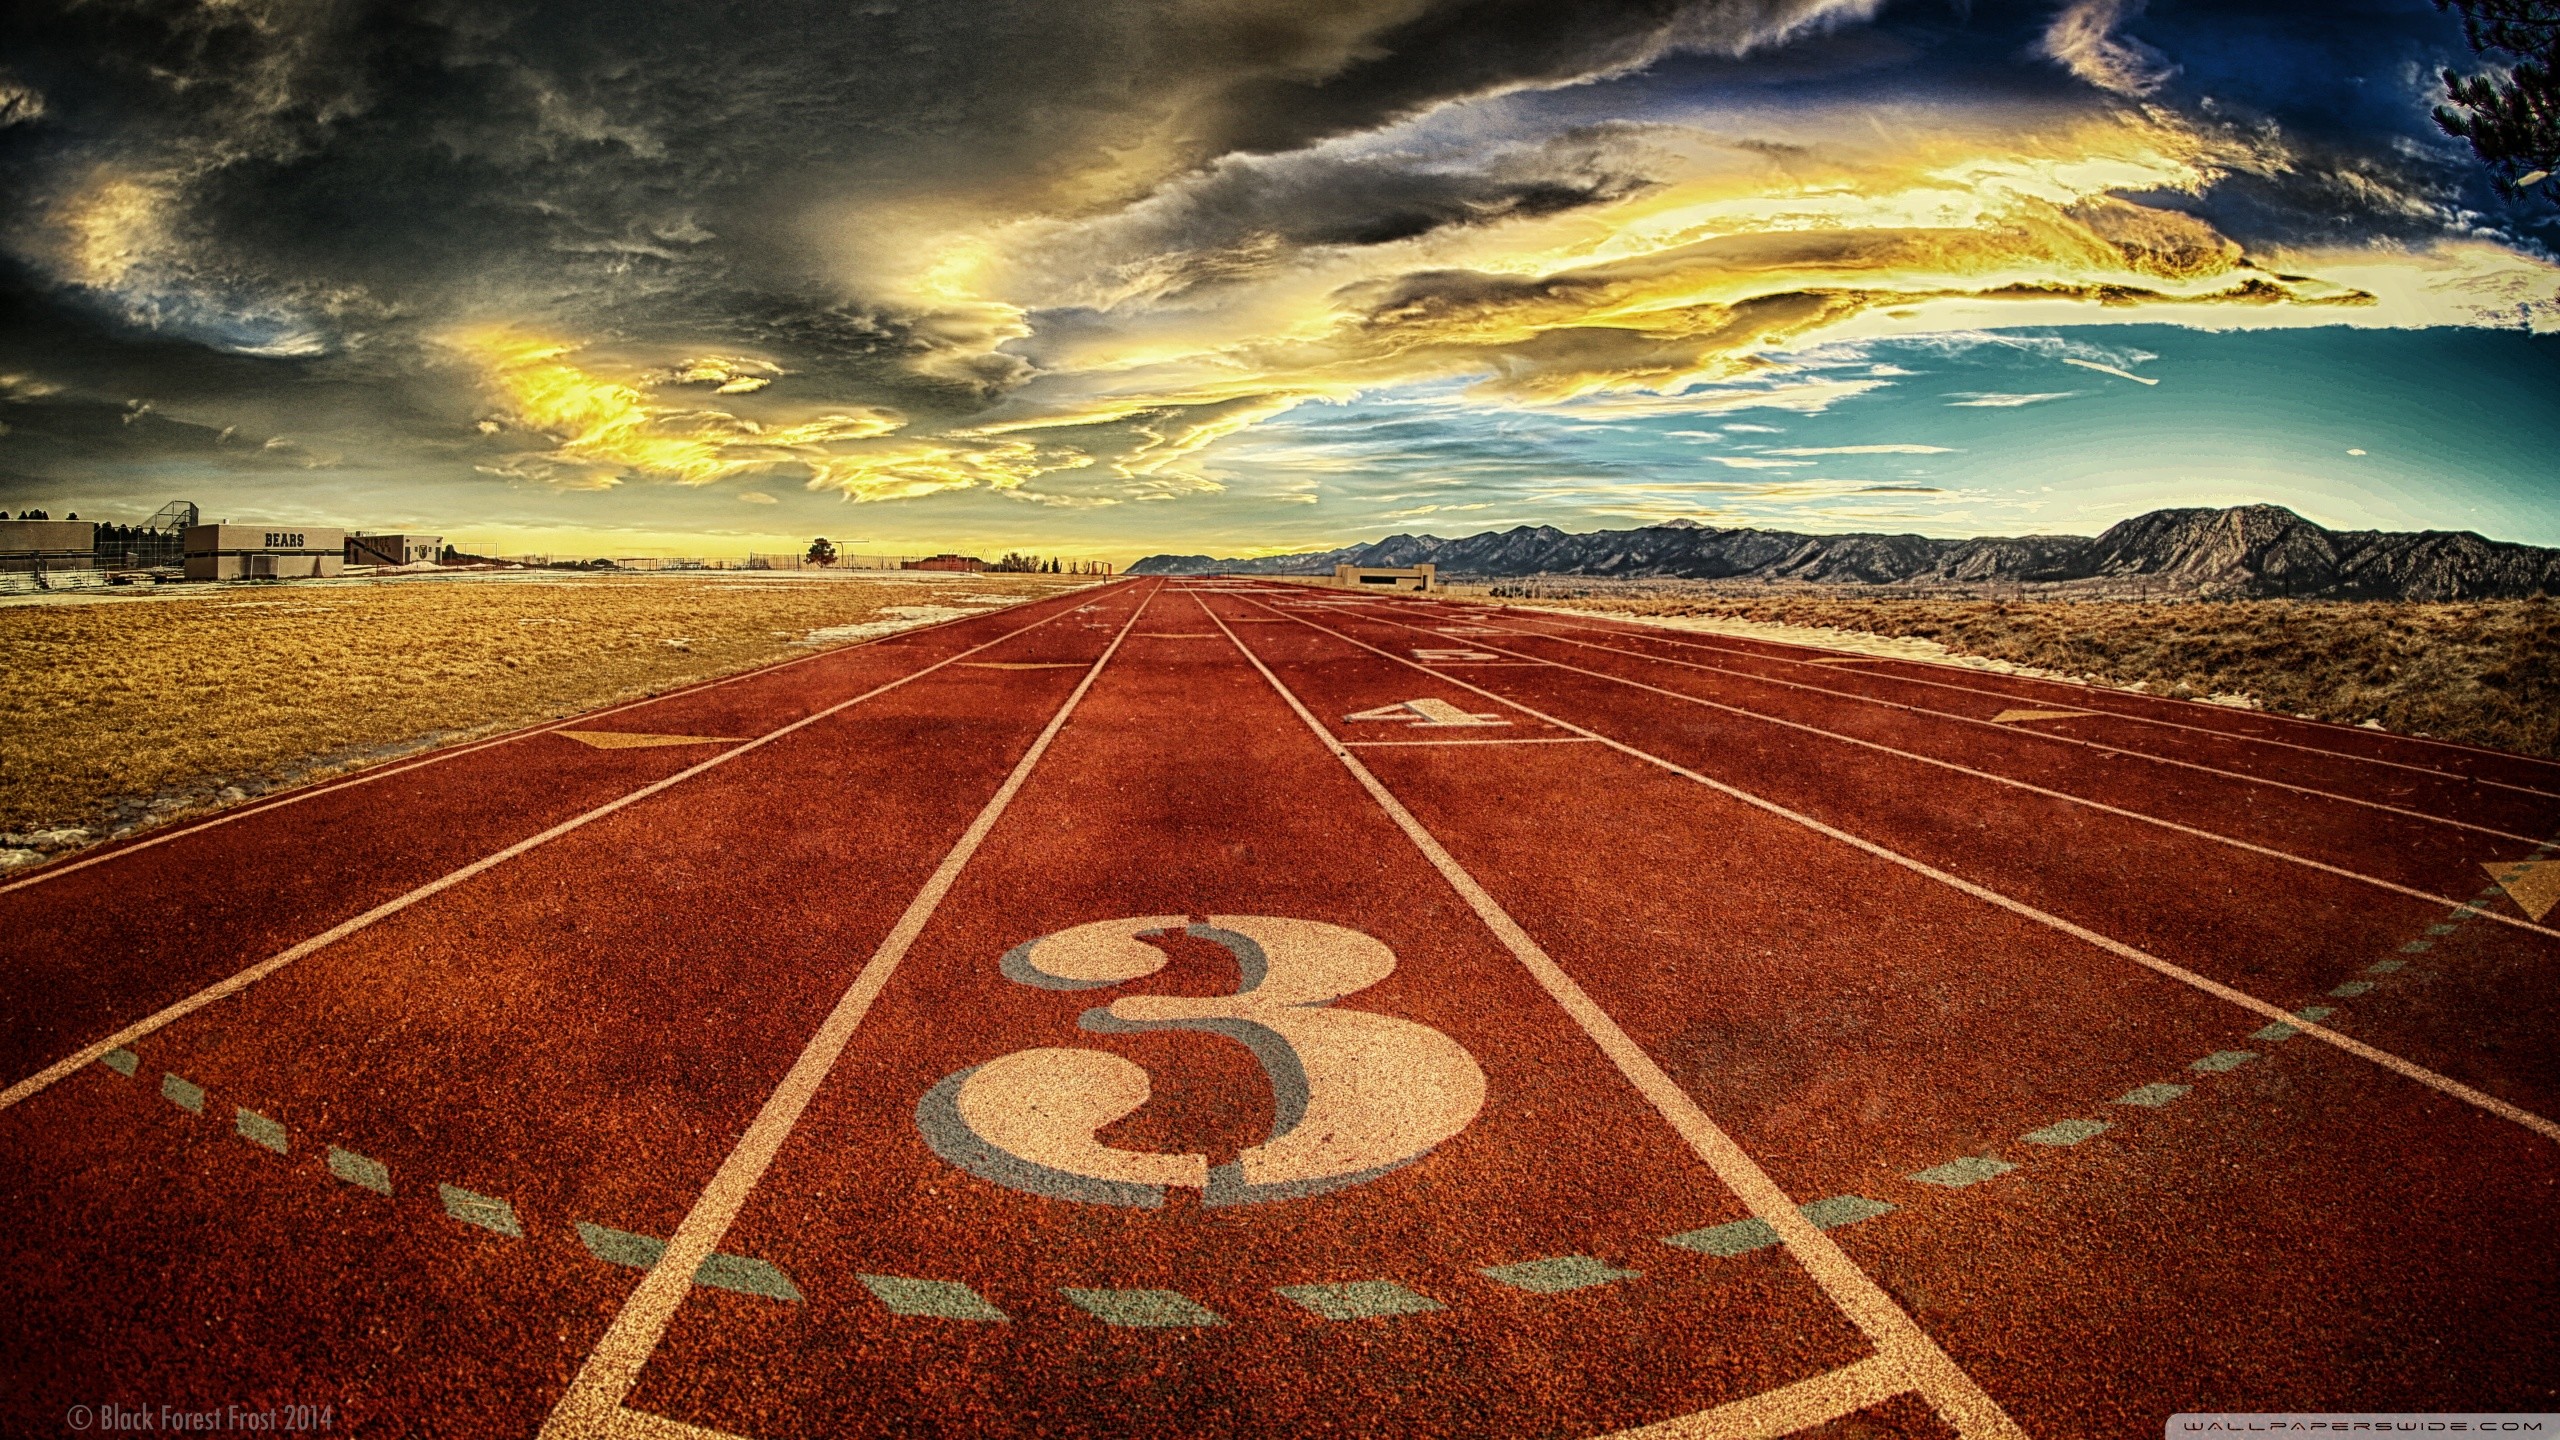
(1427, 714)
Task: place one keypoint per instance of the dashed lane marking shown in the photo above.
(220, 989)
(2014, 717)
(361, 1170)
(633, 740)
(1557, 1274)
(486, 1211)
(2398, 1065)
(2221, 1061)
(1842, 1210)
(1146, 1309)
(257, 1129)
(2064, 1133)
(1339, 1301)
(1741, 1237)
(2533, 884)
(934, 1299)
(746, 1275)
(121, 1061)
(183, 1093)
(1360, 1300)
(1970, 1170)
(2152, 1096)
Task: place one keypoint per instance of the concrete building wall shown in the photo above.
(393, 549)
(47, 537)
(1376, 577)
(264, 552)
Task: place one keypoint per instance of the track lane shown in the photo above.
(2322, 743)
(2109, 877)
(2404, 850)
(1185, 787)
(2435, 868)
(1852, 1034)
(627, 993)
(220, 899)
(1970, 728)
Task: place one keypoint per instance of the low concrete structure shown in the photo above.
(1383, 577)
(394, 549)
(40, 545)
(264, 552)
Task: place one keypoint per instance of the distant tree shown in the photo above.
(822, 551)
(2512, 119)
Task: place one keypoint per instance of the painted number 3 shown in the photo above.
(1354, 1095)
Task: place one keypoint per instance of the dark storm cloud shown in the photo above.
(324, 184)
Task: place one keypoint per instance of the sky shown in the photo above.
(1126, 276)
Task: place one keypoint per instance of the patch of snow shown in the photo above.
(13, 859)
(1822, 637)
(2235, 700)
(905, 617)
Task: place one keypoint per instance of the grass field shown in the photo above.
(121, 712)
(2486, 673)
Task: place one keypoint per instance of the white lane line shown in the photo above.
(1910, 1359)
(72, 1063)
(2030, 787)
(2094, 694)
(2005, 726)
(1542, 740)
(2406, 1068)
(331, 787)
(592, 1405)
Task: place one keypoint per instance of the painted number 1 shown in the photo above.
(1354, 1094)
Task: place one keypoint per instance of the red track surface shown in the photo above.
(1739, 932)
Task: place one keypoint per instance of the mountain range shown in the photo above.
(2244, 552)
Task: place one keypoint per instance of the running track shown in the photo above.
(1211, 1008)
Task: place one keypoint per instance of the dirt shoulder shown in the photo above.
(2484, 673)
(125, 711)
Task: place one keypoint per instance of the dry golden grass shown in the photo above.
(120, 710)
(2486, 673)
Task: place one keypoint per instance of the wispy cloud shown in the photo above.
(1756, 462)
(2083, 38)
(2104, 369)
(1865, 450)
(1996, 400)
